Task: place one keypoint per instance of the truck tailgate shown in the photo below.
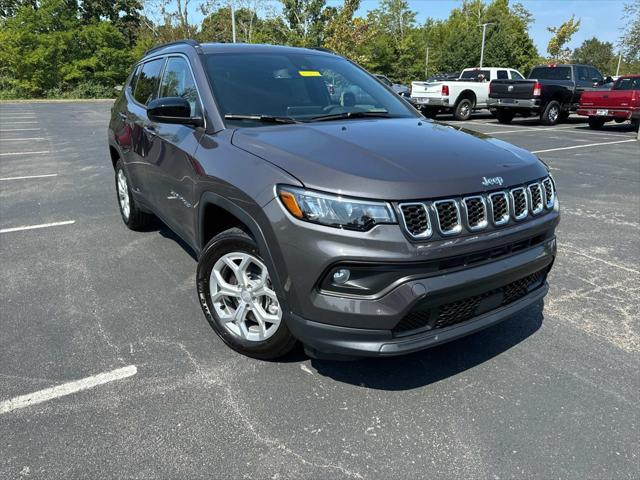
(609, 99)
(423, 88)
(511, 88)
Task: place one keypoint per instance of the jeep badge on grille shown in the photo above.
(487, 182)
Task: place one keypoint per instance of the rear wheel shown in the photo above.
(238, 298)
(551, 114)
(462, 110)
(504, 116)
(132, 216)
(596, 122)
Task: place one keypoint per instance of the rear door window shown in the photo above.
(147, 84)
(474, 74)
(516, 76)
(595, 74)
(177, 81)
(502, 75)
(627, 84)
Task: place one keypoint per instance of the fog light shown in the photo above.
(341, 276)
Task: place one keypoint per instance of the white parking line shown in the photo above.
(22, 139)
(565, 130)
(19, 129)
(47, 394)
(25, 153)
(34, 227)
(21, 123)
(28, 177)
(583, 146)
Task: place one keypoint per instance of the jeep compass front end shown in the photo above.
(323, 207)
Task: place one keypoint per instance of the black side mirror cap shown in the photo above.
(175, 110)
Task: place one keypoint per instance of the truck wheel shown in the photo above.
(430, 112)
(596, 122)
(238, 298)
(463, 109)
(551, 114)
(504, 116)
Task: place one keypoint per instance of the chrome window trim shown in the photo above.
(507, 216)
(540, 209)
(549, 204)
(427, 233)
(455, 230)
(526, 203)
(485, 221)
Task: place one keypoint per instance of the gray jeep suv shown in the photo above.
(322, 207)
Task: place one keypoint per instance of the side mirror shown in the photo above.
(174, 110)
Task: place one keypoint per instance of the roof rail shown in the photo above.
(193, 43)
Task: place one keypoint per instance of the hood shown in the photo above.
(391, 159)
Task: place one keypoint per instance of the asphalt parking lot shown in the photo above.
(551, 393)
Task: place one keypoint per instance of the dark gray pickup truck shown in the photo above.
(551, 92)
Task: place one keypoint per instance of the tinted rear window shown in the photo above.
(473, 74)
(147, 85)
(627, 84)
(551, 73)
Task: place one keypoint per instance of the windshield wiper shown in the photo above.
(261, 118)
(339, 116)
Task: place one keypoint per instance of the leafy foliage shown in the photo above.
(596, 53)
(561, 36)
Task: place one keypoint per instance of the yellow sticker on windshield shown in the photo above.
(309, 73)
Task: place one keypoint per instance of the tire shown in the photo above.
(463, 109)
(596, 123)
(635, 123)
(504, 116)
(132, 216)
(235, 316)
(551, 113)
(430, 112)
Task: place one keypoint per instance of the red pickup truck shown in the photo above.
(620, 103)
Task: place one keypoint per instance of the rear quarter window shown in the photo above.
(627, 84)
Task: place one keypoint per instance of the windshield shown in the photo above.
(551, 73)
(296, 86)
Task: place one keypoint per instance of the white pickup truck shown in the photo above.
(470, 91)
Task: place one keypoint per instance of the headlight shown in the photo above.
(333, 210)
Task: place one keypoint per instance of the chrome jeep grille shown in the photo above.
(453, 216)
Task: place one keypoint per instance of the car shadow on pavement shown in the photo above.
(438, 363)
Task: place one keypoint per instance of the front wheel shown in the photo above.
(463, 109)
(132, 216)
(596, 122)
(238, 298)
(552, 113)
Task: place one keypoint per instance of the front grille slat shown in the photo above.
(499, 203)
(464, 309)
(535, 198)
(520, 203)
(448, 215)
(549, 193)
(416, 219)
(476, 212)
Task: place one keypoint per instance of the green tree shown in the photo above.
(306, 20)
(123, 14)
(630, 38)
(596, 53)
(561, 36)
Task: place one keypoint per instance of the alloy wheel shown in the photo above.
(243, 297)
(123, 194)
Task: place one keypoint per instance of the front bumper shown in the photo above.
(514, 103)
(483, 282)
